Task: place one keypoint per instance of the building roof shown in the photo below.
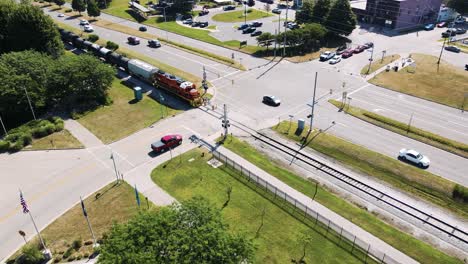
(359, 4)
(139, 7)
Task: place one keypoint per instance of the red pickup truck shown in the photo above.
(166, 142)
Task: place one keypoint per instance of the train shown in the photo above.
(146, 72)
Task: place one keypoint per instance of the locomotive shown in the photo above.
(142, 70)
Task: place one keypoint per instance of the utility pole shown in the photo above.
(115, 167)
(312, 106)
(3, 125)
(274, 52)
(285, 28)
(225, 122)
(442, 50)
(245, 13)
(383, 54)
(29, 101)
(370, 60)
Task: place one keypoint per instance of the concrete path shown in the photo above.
(87, 138)
(361, 234)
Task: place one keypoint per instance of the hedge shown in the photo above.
(111, 45)
(93, 37)
(460, 192)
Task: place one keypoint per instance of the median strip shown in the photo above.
(404, 129)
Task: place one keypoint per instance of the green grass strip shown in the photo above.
(405, 130)
(402, 241)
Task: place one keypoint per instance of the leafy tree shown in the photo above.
(461, 6)
(93, 9)
(321, 10)
(251, 3)
(181, 6)
(305, 14)
(313, 34)
(59, 2)
(79, 5)
(192, 232)
(264, 39)
(342, 19)
(25, 27)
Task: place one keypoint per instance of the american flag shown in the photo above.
(23, 203)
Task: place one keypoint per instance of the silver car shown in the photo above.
(414, 157)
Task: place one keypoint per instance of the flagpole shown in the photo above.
(87, 220)
(37, 231)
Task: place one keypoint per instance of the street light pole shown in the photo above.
(442, 50)
(3, 125)
(274, 51)
(245, 14)
(29, 101)
(285, 28)
(313, 104)
(370, 60)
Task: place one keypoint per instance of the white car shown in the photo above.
(84, 22)
(414, 157)
(88, 28)
(335, 59)
(60, 15)
(327, 55)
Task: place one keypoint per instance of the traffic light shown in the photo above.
(225, 124)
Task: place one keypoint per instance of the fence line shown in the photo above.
(344, 236)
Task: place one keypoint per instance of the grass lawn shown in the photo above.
(445, 86)
(279, 237)
(402, 129)
(379, 63)
(407, 244)
(238, 16)
(122, 118)
(115, 204)
(58, 140)
(424, 184)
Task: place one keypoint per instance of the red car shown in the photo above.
(359, 49)
(166, 143)
(442, 24)
(347, 53)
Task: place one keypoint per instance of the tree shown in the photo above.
(321, 10)
(265, 39)
(251, 3)
(180, 6)
(313, 34)
(342, 19)
(79, 5)
(31, 255)
(461, 6)
(24, 27)
(59, 2)
(305, 14)
(192, 232)
(93, 9)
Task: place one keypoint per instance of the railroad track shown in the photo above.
(440, 225)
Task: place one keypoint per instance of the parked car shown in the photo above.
(460, 31)
(327, 55)
(347, 53)
(276, 11)
(256, 33)
(84, 22)
(60, 15)
(466, 67)
(133, 40)
(229, 7)
(335, 59)
(257, 24)
(269, 2)
(340, 50)
(449, 33)
(195, 24)
(188, 21)
(248, 30)
(414, 157)
(292, 25)
(359, 49)
(203, 24)
(282, 6)
(154, 43)
(204, 12)
(88, 28)
(271, 100)
(442, 24)
(453, 49)
(142, 28)
(244, 26)
(368, 45)
(429, 27)
(166, 143)
(459, 20)
(187, 17)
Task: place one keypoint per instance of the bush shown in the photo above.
(31, 255)
(93, 38)
(57, 259)
(68, 253)
(71, 258)
(77, 244)
(50, 128)
(4, 145)
(68, 10)
(16, 147)
(85, 255)
(59, 127)
(460, 192)
(88, 242)
(26, 138)
(78, 257)
(111, 45)
(39, 132)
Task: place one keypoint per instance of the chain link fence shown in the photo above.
(343, 238)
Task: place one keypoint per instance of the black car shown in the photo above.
(203, 24)
(449, 33)
(276, 11)
(229, 7)
(256, 33)
(271, 100)
(142, 28)
(153, 43)
(257, 24)
(466, 67)
(195, 24)
(269, 2)
(460, 31)
(185, 17)
(248, 30)
(244, 26)
(453, 49)
(340, 50)
(368, 45)
(203, 12)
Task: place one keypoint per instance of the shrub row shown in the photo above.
(22, 136)
(111, 45)
(93, 37)
(460, 192)
(416, 131)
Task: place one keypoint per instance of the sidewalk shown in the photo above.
(337, 219)
(87, 138)
(398, 62)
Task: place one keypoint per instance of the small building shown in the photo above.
(446, 14)
(400, 15)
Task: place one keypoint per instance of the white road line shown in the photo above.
(122, 157)
(359, 89)
(229, 74)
